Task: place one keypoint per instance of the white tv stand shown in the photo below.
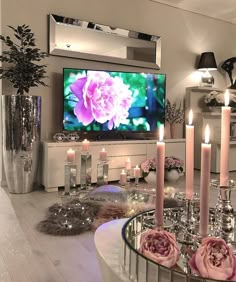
(54, 156)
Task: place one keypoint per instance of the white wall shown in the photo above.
(184, 36)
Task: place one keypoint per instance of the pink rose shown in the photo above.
(159, 246)
(214, 259)
(101, 98)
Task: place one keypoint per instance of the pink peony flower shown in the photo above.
(101, 98)
(214, 259)
(148, 165)
(159, 246)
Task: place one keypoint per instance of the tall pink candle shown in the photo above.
(103, 155)
(189, 157)
(204, 184)
(128, 164)
(85, 145)
(225, 139)
(70, 154)
(137, 173)
(160, 179)
(123, 177)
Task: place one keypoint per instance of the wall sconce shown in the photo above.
(207, 63)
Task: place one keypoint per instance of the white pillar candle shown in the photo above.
(103, 155)
(160, 179)
(204, 184)
(137, 171)
(70, 155)
(123, 177)
(85, 145)
(128, 164)
(225, 140)
(189, 157)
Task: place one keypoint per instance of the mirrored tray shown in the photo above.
(141, 269)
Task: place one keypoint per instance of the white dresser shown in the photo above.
(54, 157)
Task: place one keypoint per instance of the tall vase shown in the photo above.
(21, 126)
(167, 130)
(173, 130)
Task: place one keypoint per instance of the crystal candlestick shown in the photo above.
(70, 179)
(102, 173)
(187, 226)
(136, 181)
(224, 210)
(85, 170)
(128, 176)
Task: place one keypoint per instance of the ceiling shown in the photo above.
(220, 9)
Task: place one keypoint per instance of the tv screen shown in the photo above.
(108, 101)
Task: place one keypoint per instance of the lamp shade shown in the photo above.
(207, 62)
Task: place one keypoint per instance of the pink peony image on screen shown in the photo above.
(101, 98)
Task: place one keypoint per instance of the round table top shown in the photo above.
(108, 242)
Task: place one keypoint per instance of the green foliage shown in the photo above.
(22, 72)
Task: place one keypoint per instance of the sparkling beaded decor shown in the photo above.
(63, 137)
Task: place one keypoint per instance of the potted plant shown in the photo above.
(149, 170)
(174, 114)
(173, 168)
(21, 113)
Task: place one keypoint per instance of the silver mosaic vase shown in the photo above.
(21, 128)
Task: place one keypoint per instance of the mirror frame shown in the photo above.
(57, 23)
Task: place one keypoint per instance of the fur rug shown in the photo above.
(75, 216)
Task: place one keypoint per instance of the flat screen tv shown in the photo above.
(111, 104)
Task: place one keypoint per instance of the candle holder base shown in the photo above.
(128, 176)
(102, 173)
(85, 170)
(70, 179)
(189, 219)
(224, 212)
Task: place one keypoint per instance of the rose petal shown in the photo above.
(83, 115)
(77, 87)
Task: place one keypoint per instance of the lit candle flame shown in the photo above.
(207, 134)
(103, 149)
(137, 166)
(226, 97)
(161, 132)
(190, 117)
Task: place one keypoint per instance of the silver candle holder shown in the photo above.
(189, 219)
(102, 173)
(85, 170)
(128, 176)
(224, 212)
(70, 179)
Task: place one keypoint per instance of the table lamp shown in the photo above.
(207, 63)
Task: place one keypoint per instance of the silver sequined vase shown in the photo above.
(21, 128)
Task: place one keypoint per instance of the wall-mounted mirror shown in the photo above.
(88, 40)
